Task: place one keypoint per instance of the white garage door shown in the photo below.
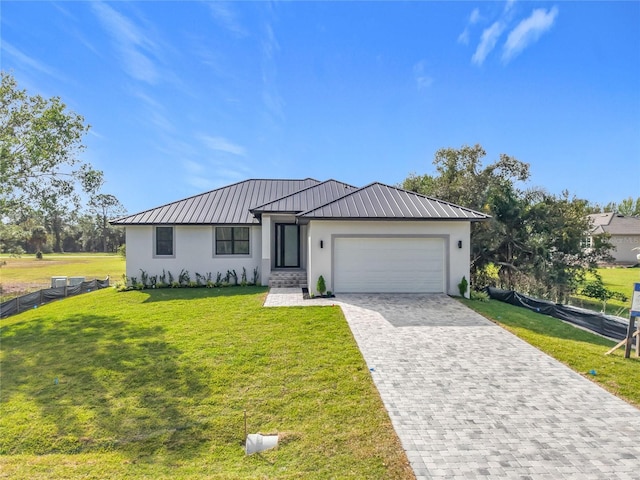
(383, 264)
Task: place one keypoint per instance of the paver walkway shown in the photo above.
(470, 400)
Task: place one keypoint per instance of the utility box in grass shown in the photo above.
(73, 281)
(58, 282)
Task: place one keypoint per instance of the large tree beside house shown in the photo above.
(42, 174)
(533, 241)
(40, 142)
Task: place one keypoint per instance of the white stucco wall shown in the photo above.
(194, 251)
(456, 259)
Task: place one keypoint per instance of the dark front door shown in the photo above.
(287, 245)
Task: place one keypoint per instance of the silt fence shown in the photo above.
(605, 325)
(41, 297)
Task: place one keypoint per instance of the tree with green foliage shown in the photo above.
(595, 289)
(38, 238)
(463, 180)
(556, 227)
(39, 145)
(12, 239)
(105, 207)
(533, 239)
(627, 207)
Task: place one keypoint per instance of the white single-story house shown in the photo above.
(376, 239)
(624, 232)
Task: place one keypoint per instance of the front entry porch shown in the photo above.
(284, 252)
(290, 278)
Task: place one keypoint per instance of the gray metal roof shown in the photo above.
(226, 205)
(380, 201)
(614, 224)
(308, 198)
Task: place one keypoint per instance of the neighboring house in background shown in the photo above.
(624, 231)
(372, 239)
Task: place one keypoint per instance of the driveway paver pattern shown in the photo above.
(470, 400)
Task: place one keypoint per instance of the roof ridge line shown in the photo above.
(442, 203)
(335, 200)
(299, 191)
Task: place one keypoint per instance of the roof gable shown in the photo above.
(226, 205)
(308, 198)
(615, 224)
(380, 201)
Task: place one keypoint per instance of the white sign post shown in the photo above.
(635, 312)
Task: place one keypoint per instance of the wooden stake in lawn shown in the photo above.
(635, 312)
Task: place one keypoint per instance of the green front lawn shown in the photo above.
(27, 273)
(154, 384)
(580, 350)
(617, 279)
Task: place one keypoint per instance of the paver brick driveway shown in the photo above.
(469, 399)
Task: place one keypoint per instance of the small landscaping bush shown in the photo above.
(462, 286)
(167, 280)
(479, 295)
(321, 286)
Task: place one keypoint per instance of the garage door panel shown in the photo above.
(388, 264)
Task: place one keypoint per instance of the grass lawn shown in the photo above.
(580, 350)
(618, 280)
(28, 274)
(154, 383)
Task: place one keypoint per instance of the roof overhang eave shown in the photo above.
(397, 219)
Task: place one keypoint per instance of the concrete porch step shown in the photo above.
(287, 278)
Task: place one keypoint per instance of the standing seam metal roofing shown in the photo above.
(235, 204)
(380, 201)
(307, 198)
(227, 205)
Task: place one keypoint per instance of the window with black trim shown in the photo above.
(232, 240)
(164, 241)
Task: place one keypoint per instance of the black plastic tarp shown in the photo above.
(607, 325)
(31, 300)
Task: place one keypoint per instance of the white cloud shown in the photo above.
(226, 17)
(133, 45)
(271, 98)
(474, 18)
(487, 42)
(269, 43)
(221, 144)
(193, 167)
(26, 60)
(464, 37)
(528, 31)
(423, 80)
(509, 5)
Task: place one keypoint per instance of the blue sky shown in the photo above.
(184, 97)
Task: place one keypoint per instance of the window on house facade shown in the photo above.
(586, 242)
(232, 241)
(164, 241)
